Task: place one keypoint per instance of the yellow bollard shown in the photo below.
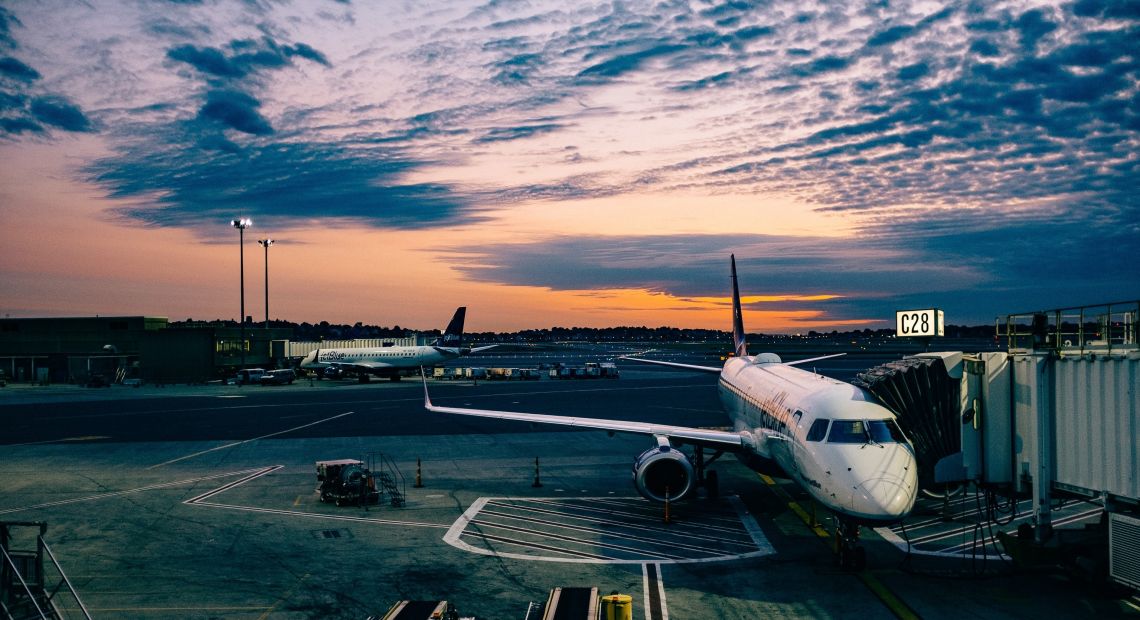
(617, 607)
(419, 479)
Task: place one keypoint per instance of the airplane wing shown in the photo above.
(674, 364)
(813, 359)
(722, 440)
(478, 349)
(717, 370)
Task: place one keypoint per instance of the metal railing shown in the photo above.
(1103, 329)
(24, 591)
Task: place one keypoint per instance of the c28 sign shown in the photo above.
(910, 323)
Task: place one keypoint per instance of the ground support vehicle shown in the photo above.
(346, 482)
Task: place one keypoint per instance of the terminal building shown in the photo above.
(103, 350)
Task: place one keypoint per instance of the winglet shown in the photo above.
(738, 340)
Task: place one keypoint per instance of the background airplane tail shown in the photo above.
(739, 343)
(454, 333)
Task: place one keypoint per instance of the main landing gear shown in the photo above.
(849, 554)
(708, 480)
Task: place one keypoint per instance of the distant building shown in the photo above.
(72, 350)
(83, 349)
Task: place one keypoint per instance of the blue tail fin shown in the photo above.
(738, 340)
(454, 333)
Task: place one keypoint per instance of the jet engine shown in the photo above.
(663, 469)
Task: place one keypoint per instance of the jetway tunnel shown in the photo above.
(927, 401)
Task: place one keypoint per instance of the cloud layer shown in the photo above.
(976, 145)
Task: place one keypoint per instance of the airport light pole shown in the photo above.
(265, 243)
(241, 225)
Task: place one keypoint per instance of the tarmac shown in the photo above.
(227, 523)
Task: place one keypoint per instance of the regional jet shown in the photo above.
(391, 362)
(831, 438)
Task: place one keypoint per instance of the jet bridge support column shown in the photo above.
(1034, 413)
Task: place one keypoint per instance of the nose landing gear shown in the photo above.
(849, 554)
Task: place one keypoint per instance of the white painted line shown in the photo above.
(454, 535)
(161, 485)
(238, 443)
(653, 583)
(318, 515)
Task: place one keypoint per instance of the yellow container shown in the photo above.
(617, 607)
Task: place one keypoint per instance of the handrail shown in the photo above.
(1098, 328)
(16, 572)
(66, 581)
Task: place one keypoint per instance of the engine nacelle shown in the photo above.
(662, 468)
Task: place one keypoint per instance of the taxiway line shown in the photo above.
(245, 441)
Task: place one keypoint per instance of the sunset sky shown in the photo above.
(569, 163)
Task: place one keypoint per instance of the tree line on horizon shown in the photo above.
(328, 331)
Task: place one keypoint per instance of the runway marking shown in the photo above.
(643, 533)
(654, 588)
(161, 485)
(245, 441)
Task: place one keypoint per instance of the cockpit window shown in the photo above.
(865, 431)
(818, 430)
(885, 431)
(848, 431)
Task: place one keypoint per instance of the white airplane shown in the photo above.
(832, 438)
(391, 362)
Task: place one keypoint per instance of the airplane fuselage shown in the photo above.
(830, 437)
(378, 360)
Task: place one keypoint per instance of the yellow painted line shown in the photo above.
(892, 602)
(297, 502)
(796, 508)
(284, 597)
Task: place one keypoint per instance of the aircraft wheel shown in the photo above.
(712, 485)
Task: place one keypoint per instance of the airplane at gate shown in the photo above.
(831, 438)
(392, 361)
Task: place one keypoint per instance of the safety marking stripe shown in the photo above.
(659, 529)
(530, 545)
(654, 515)
(992, 540)
(457, 531)
(654, 588)
(965, 549)
(571, 539)
(604, 532)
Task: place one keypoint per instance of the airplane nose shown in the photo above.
(883, 498)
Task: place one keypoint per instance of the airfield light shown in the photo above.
(265, 243)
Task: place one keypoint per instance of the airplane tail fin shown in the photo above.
(454, 333)
(738, 340)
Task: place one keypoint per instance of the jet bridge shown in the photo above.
(1053, 417)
